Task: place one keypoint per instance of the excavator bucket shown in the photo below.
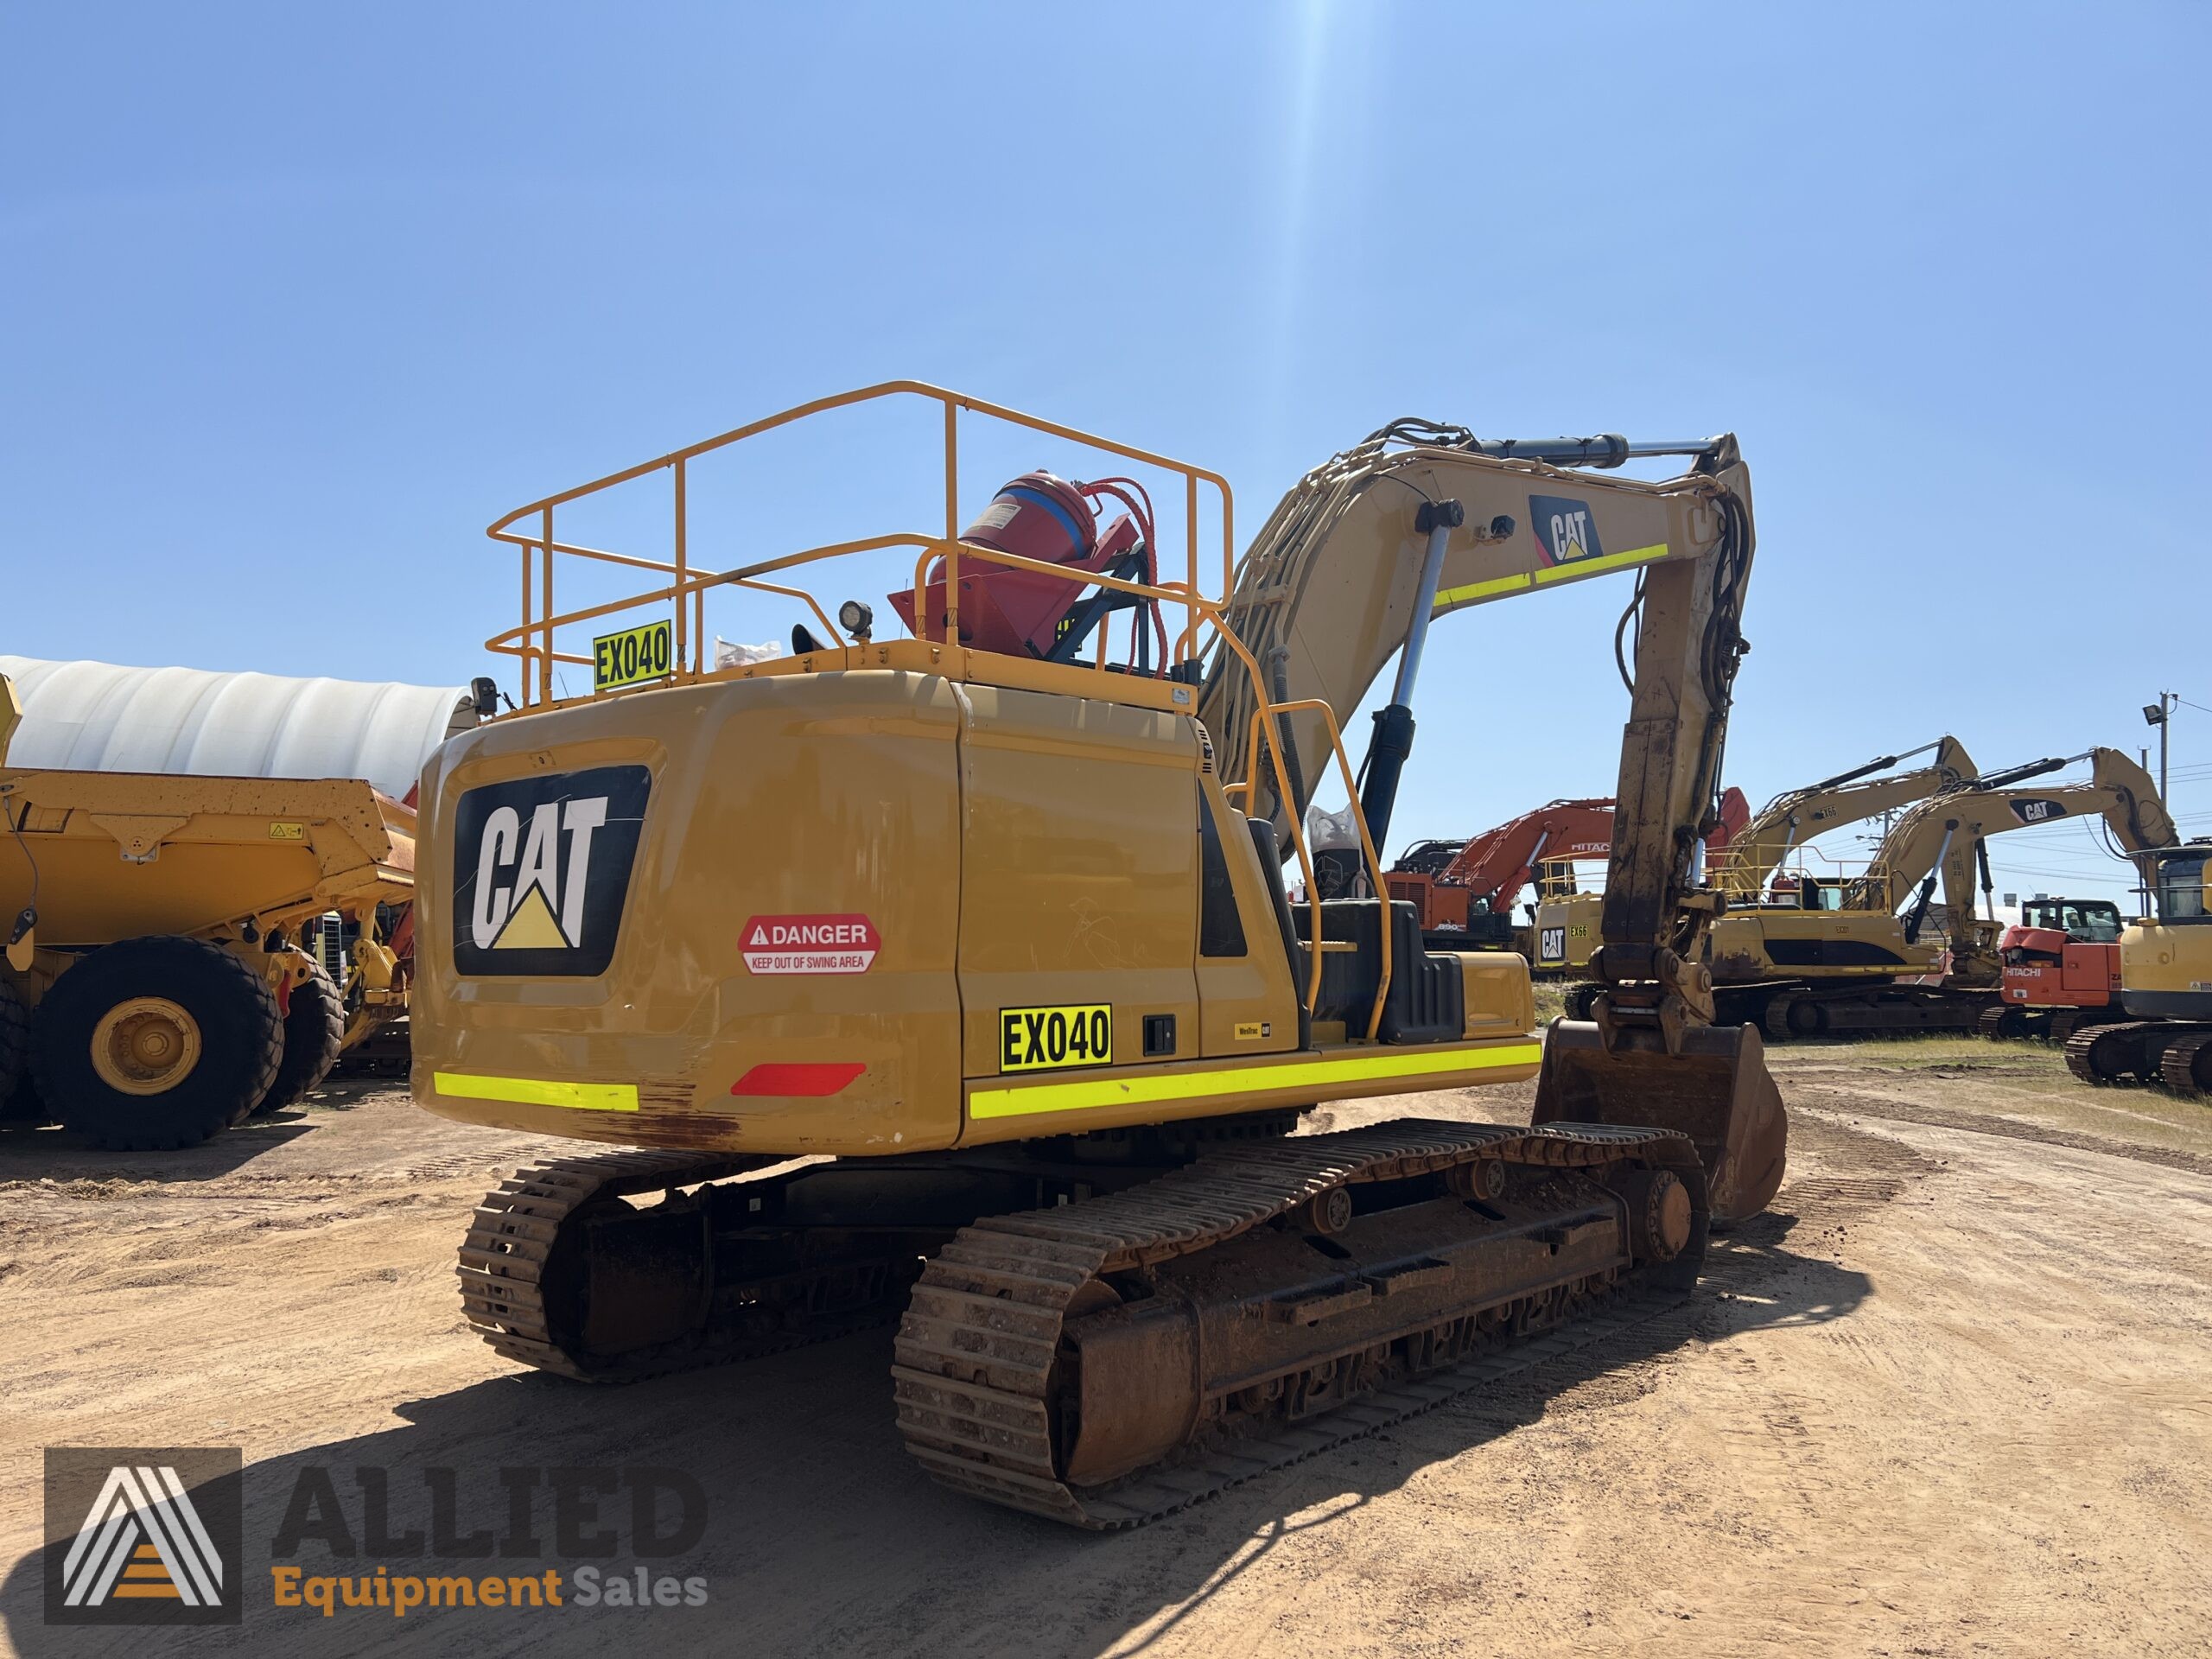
(1716, 1091)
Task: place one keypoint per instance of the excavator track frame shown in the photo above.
(2014, 1022)
(1796, 1008)
(518, 1290)
(987, 1374)
(2127, 1053)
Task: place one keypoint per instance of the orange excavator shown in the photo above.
(1465, 891)
(2062, 970)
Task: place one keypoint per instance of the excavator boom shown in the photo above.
(1420, 520)
(1497, 864)
(1945, 837)
(1332, 586)
(1798, 816)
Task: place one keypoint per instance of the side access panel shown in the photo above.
(1080, 883)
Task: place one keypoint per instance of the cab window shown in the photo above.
(2181, 889)
(2093, 924)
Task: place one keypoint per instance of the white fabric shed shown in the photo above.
(100, 717)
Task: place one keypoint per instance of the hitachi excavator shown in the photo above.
(1861, 965)
(1564, 922)
(1471, 893)
(1464, 892)
(989, 925)
(2165, 985)
(2062, 970)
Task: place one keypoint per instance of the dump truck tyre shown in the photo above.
(156, 1043)
(314, 1030)
(19, 1107)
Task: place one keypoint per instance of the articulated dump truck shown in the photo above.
(153, 990)
(990, 924)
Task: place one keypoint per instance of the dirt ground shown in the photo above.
(1953, 1397)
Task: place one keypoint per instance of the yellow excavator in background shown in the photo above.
(1744, 867)
(1848, 964)
(2165, 985)
(992, 925)
(1802, 923)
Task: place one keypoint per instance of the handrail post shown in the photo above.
(523, 654)
(545, 663)
(951, 524)
(1191, 530)
(681, 565)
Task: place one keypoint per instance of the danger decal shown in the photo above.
(809, 944)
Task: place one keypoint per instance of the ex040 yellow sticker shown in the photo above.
(1048, 1039)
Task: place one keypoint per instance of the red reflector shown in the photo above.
(810, 1080)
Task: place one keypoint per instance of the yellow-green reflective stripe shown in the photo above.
(539, 1091)
(1241, 1080)
(1475, 590)
(1592, 567)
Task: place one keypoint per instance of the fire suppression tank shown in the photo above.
(1037, 517)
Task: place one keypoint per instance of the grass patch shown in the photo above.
(1978, 1052)
(1551, 1000)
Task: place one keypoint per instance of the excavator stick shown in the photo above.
(1715, 1088)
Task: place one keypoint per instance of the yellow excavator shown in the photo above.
(1860, 955)
(1756, 919)
(1744, 867)
(2165, 985)
(992, 927)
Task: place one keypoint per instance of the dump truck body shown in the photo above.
(153, 966)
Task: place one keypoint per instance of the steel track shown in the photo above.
(975, 1352)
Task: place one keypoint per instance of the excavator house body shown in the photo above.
(1779, 942)
(2063, 954)
(2165, 960)
(877, 911)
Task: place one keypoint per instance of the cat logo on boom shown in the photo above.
(540, 869)
(1566, 527)
(2038, 811)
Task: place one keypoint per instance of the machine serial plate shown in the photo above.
(1053, 1038)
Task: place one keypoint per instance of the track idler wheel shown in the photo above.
(1717, 1091)
(1659, 1213)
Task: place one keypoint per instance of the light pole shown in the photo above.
(2160, 715)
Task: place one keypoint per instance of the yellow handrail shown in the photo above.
(531, 640)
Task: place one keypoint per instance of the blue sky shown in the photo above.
(299, 298)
